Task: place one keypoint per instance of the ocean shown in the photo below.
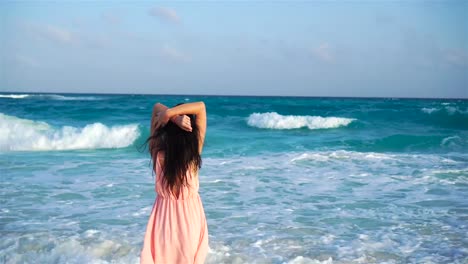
(283, 180)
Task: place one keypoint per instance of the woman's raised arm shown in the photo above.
(157, 108)
(197, 108)
(182, 121)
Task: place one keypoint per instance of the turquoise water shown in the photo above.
(284, 180)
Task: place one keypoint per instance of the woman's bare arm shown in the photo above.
(196, 108)
(157, 108)
(182, 121)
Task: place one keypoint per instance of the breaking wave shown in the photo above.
(49, 96)
(273, 120)
(17, 134)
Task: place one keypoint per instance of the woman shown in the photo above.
(177, 231)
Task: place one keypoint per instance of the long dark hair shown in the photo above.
(181, 152)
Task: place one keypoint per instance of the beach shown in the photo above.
(283, 179)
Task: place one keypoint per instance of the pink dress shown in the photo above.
(177, 231)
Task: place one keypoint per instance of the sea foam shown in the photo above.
(273, 120)
(451, 110)
(17, 134)
(48, 97)
(14, 96)
(429, 110)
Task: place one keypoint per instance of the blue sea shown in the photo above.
(283, 180)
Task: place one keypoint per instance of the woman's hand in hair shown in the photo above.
(161, 119)
(182, 121)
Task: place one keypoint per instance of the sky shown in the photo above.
(287, 48)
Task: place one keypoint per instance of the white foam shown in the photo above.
(328, 239)
(311, 156)
(302, 260)
(18, 134)
(452, 110)
(14, 96)
(52, 249)
(221, 254)
(91, 232)
(70, 98)
(273, 120)
(48, 96)
(449, 140)
(429, 110)
(342, 155)
(145, 211)
(449, 109)
(363, 237)
(449, 171)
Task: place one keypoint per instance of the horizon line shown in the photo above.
(240, 95)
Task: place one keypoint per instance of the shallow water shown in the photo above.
(305, 180)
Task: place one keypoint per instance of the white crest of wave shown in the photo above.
(14, 96)
(449, 109)
(429, 110)
(49, 96)
(273, 120)
(69, 98)
(18, 134)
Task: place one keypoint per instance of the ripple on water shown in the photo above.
(69, 196)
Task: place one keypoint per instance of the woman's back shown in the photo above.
(190, 190)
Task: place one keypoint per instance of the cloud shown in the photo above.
(58, 34)
(165, 14)
(63, 36)
(173, 54)
(111, 18)
(50, 32)
(424, 49)
(323, 53)
(96, 41)
(384, 18)
(27, 61)
(457, 57)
